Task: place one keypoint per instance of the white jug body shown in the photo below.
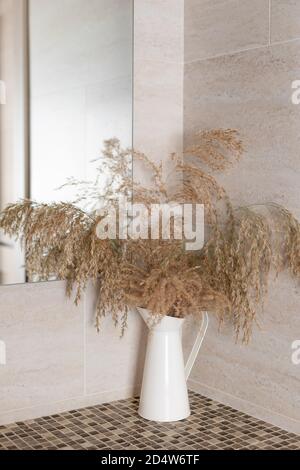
(164, 394)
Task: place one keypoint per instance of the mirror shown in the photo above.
(66, 86)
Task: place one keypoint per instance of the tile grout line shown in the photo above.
(287, 41)
(240, 51)
(218, 56)
(226, 54)
(78, 397)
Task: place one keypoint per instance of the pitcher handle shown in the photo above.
(197, 345)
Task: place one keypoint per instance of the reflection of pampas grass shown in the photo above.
(229, 276)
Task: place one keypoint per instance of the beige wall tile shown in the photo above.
(43, 332)
(158, 108)
(251, 92)
(285, 20)
(158, 29)
(261, 373)
(55, 407)
(216, 27)
(158, 79)
(113, 363)
(56, 360)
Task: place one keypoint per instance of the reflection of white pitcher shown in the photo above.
(164, 395)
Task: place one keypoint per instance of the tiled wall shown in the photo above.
(55, 358)
(241, 57)
(158, 77)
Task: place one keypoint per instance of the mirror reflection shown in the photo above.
(66, 86)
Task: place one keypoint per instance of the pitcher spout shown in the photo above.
(144, 314)
(166, 323)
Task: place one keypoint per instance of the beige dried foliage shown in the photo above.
(217, 149)
(229, 276)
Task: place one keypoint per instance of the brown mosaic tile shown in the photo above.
(117, 426)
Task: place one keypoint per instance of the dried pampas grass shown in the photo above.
(229, 276)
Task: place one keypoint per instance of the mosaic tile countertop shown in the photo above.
(116, 426)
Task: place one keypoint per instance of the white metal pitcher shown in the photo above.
(164, 395)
